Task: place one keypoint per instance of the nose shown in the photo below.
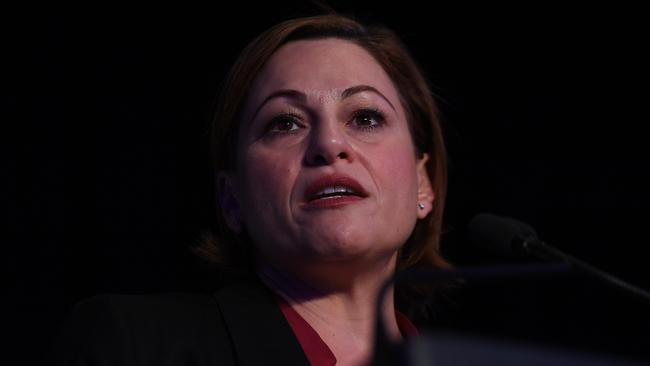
(328, 144)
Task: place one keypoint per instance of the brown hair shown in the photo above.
(228, 249)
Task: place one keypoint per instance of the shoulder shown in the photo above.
(241, 324)
(153, 310)
(164, 328)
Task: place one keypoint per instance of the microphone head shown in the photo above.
(498, 234)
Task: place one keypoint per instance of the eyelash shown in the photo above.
(280, 118)
(375, 114)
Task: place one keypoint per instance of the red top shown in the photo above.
(317, 352)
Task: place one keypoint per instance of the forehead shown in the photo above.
(322, 69)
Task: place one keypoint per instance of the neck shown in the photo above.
(339, 301)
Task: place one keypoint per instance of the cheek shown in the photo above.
(397, 171)
(269, 176)
(401, 204)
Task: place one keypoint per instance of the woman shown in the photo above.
(330, 172)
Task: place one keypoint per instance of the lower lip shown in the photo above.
(332, 202)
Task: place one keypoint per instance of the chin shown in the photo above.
(343, 245)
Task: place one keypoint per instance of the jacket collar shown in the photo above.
(258, 330)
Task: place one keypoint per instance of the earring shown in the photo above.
(421, 205)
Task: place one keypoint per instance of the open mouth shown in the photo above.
(335, 189)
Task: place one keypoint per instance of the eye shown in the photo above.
(368, 119)
(283, 123)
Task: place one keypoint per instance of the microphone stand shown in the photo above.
(387, 352)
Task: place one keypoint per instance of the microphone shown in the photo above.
(502, 235)
(508, 236)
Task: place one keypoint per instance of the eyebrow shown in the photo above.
(301, 97)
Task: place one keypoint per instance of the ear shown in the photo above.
(229, 201)
(425, 190)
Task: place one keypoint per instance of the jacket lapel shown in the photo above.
(258, 330)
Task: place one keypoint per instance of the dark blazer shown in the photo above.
(240, 324)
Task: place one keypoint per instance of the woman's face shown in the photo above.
(326, 166)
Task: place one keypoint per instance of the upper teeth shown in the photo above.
(334, 190)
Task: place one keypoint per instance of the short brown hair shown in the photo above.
(228, 249)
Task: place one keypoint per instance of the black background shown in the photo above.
(107, 179)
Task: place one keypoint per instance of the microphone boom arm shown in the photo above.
(541, 249)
